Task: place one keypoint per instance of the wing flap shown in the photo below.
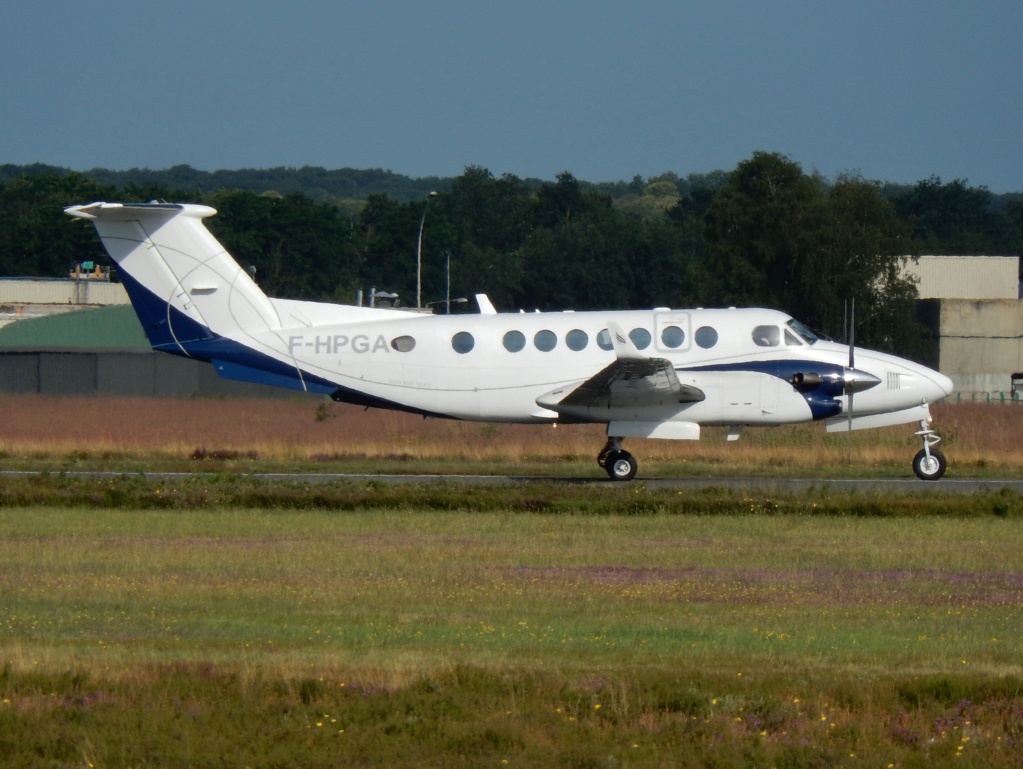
(625, 383)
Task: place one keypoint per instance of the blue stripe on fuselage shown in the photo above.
(820, 399)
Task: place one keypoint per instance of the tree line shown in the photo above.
(766, 233)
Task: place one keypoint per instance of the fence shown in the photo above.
(147, 374)
(1013, 396)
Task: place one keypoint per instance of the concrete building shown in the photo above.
(972, 306)
(980, 344)
(965, 277)
(25, 298)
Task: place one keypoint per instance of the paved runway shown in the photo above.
(753, 484)
(782, 485)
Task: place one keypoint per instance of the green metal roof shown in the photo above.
(100, 328)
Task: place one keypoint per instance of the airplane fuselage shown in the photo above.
(495, 367)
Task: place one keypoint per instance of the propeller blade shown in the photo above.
(852, 333)
(852, 354)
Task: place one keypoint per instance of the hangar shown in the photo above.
(972, 306)
(82, 337)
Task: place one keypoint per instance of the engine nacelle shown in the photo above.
(801, 380)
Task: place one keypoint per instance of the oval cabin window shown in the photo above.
(673, 337)
(403, 343)
(462, 342)
(514, 341)
(706, 337)
(576, 339)
(545, 340)
(640, 337)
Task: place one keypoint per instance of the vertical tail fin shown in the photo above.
(186, 289)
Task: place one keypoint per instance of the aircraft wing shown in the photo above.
(633, 380)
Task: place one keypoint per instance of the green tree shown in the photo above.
(582, 265)
(780, 238)
(860, 255)
(660, 258)
(36, 238)
(559, 203)
(385, 243)
(489, 220)
(300, 248)
(761, 228)
(579, 255)
(488, 212)
(952, 218)
(1013, 245)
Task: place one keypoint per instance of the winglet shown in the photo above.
(625, 348)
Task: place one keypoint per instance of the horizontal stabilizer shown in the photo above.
(127, 212)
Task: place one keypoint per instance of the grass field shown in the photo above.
(141, 433)
(219, 620)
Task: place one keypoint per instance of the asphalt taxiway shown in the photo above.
(740, 483)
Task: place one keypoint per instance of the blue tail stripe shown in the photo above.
(275, 376)
(170, 330)
(165, 326)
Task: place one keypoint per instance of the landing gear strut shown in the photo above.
(619, 465)
(929, 463)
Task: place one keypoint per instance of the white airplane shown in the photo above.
(657, 373)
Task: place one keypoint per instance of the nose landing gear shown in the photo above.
(929, 463)
(619, 465)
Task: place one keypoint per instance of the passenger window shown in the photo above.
(545, 340)
(640, 337)
(673, 337)
(462, 342)
(514, 341)
(766, 336)
(604, 340)
(403, 343)
(791, 339)
(576, 340)
(706, 337)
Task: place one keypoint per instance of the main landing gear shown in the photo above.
(929, 463)
(619, 465)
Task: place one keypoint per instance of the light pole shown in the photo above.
(448, 302)
(419, 253)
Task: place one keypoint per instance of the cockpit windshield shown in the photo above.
(802, 331)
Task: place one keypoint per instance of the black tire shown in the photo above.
(929, 468)
(620, 466)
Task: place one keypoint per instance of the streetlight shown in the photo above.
(448, 302)
(419, 253)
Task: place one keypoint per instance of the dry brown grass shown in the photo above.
(977, 437)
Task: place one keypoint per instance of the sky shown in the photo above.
(894, 90)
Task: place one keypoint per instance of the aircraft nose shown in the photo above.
(943, 383)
